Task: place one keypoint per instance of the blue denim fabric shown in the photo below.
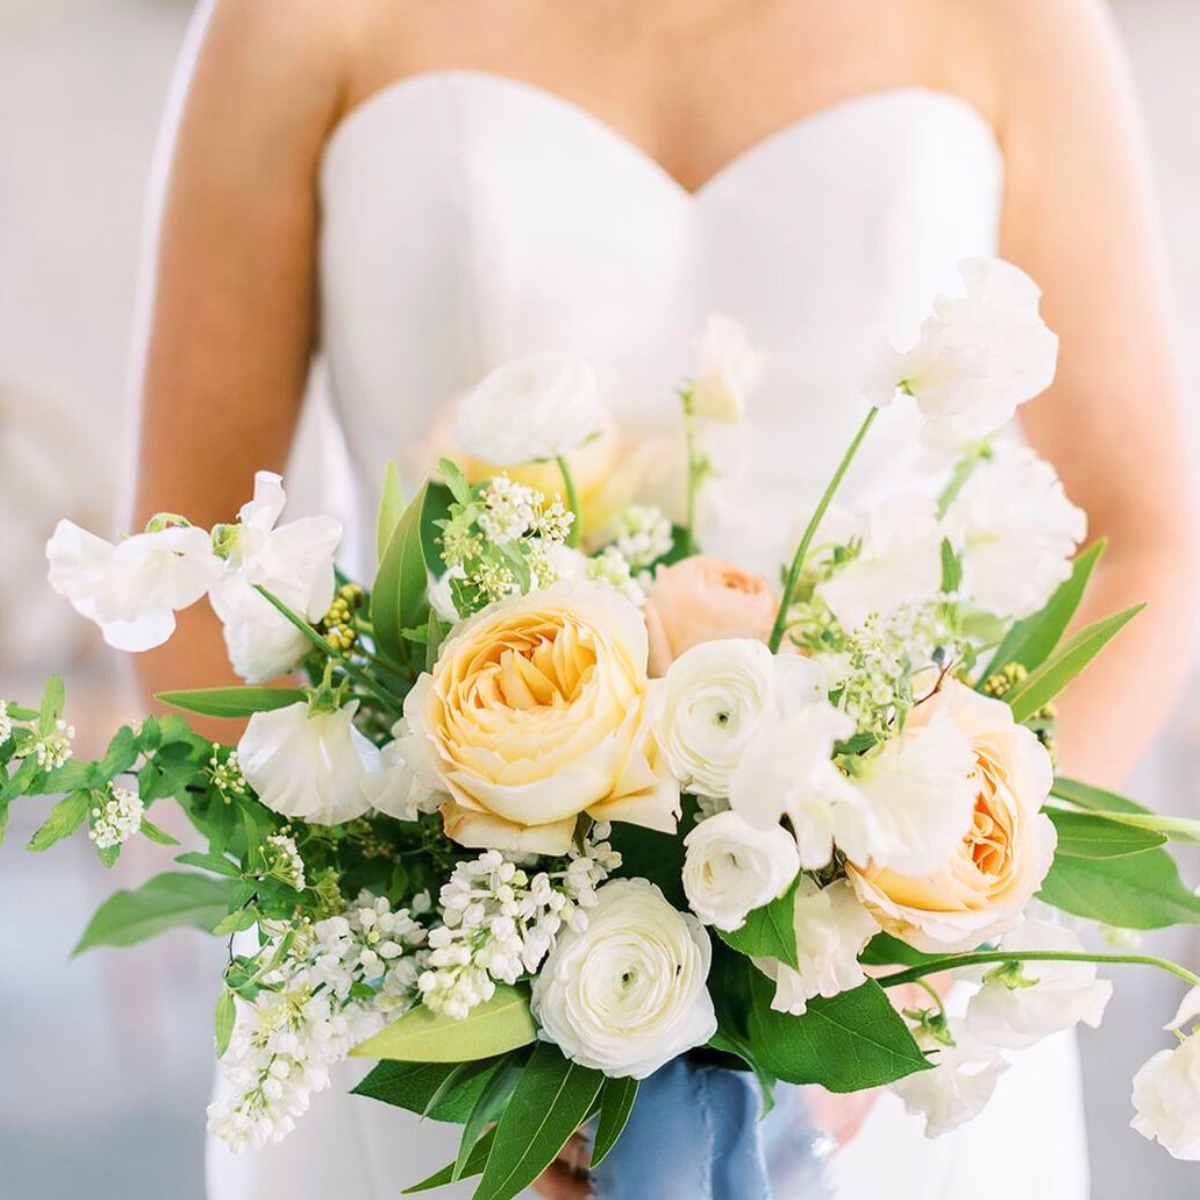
(695, 1134)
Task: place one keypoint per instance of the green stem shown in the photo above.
(958, 480)
(364, 681)
(914, 974)
(793, 575)
(572, 499)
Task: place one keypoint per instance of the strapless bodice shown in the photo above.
(468, 218)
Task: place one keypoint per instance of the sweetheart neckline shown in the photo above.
(818, 117)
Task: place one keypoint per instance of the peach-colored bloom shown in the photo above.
(700, 600)
(1000, 863)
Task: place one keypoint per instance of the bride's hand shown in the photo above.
(566, 1178)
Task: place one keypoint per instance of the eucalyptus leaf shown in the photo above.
(502, 1023)
(553, 1097)
(1030, 641)
(1045, 682)
(489, 1108)
(233, 701)
(168, 901)
(845, 1043)
(1141, 891)
(391, 508)
(616, 1106)
(399, 598)
(415, 1086)
(1092, 835)
(1095, 799)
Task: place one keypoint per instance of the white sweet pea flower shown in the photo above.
(977, 358)
(133, 589)
(730, 370)
(712, 699)
(787, 770)
(732, 868)
(959, 1086)
(394, 788)
(1046, 997)
(1015, 532)
(920, 799)
(309, 765)
(900, 561)
(1166, 1091)
(832, 928)
(294, 562)
(627, 993)
(537, 407)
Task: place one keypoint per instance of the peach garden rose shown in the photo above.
(702, 599)
(993, 872)
(535, 712)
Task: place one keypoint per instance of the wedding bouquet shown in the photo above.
(555, 806)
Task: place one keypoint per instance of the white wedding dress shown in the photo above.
(469, 218)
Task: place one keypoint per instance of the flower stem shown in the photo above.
(573, 534)
(793, 575)
(368, 685)
(914, 974)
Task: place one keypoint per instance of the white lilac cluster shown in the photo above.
(340, 981)
(115, 821)
(283, 861)
(612, 568)
(642, 535)
(499, 923)
(133, 589)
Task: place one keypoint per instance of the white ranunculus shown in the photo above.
(1013, 1014)
(730, 369)
(832, 928)
(308, 765)
(1166, 1091)
(787, 770)
(294, 562)
(534, 408)
(958, 1087)
(1015, 532)
(900, 561)
(920, 799)
(132, 590)
(732, 868)
(976, 359)
(627, 994)
(711, 702)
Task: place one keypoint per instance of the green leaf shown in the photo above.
(70, 777)
(433, 640)
(455, 480)
(168, 901)
(502, 1023)
(1090, 835)
(122, 753)
(1083, 795)
(553, 1098)
(232, 702)
(1043, 683)
(54, 699)
(217, 863)
(65, 817)
(769, 932)
(488, 1109)
(658, 857)
(399, 596)
(729, 1042)
(1032, 640)
(1141, 891)
(475, 1164)
(849, 1042)
(152, 833)
(416, 1087)
(391, 509)
(224, 1021)
(883, 950)
(616, 1105)
(952, 572)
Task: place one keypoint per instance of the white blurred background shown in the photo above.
(105, 1063)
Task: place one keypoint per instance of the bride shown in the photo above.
(421, 189)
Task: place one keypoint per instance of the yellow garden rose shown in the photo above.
(535, 712)
(1000, 863)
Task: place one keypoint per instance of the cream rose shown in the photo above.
(732, 868)
(700, 600)
(628, 993)
(535, 712)
(995, 869)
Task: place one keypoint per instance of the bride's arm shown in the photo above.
(233, 301)
(1080, 218)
